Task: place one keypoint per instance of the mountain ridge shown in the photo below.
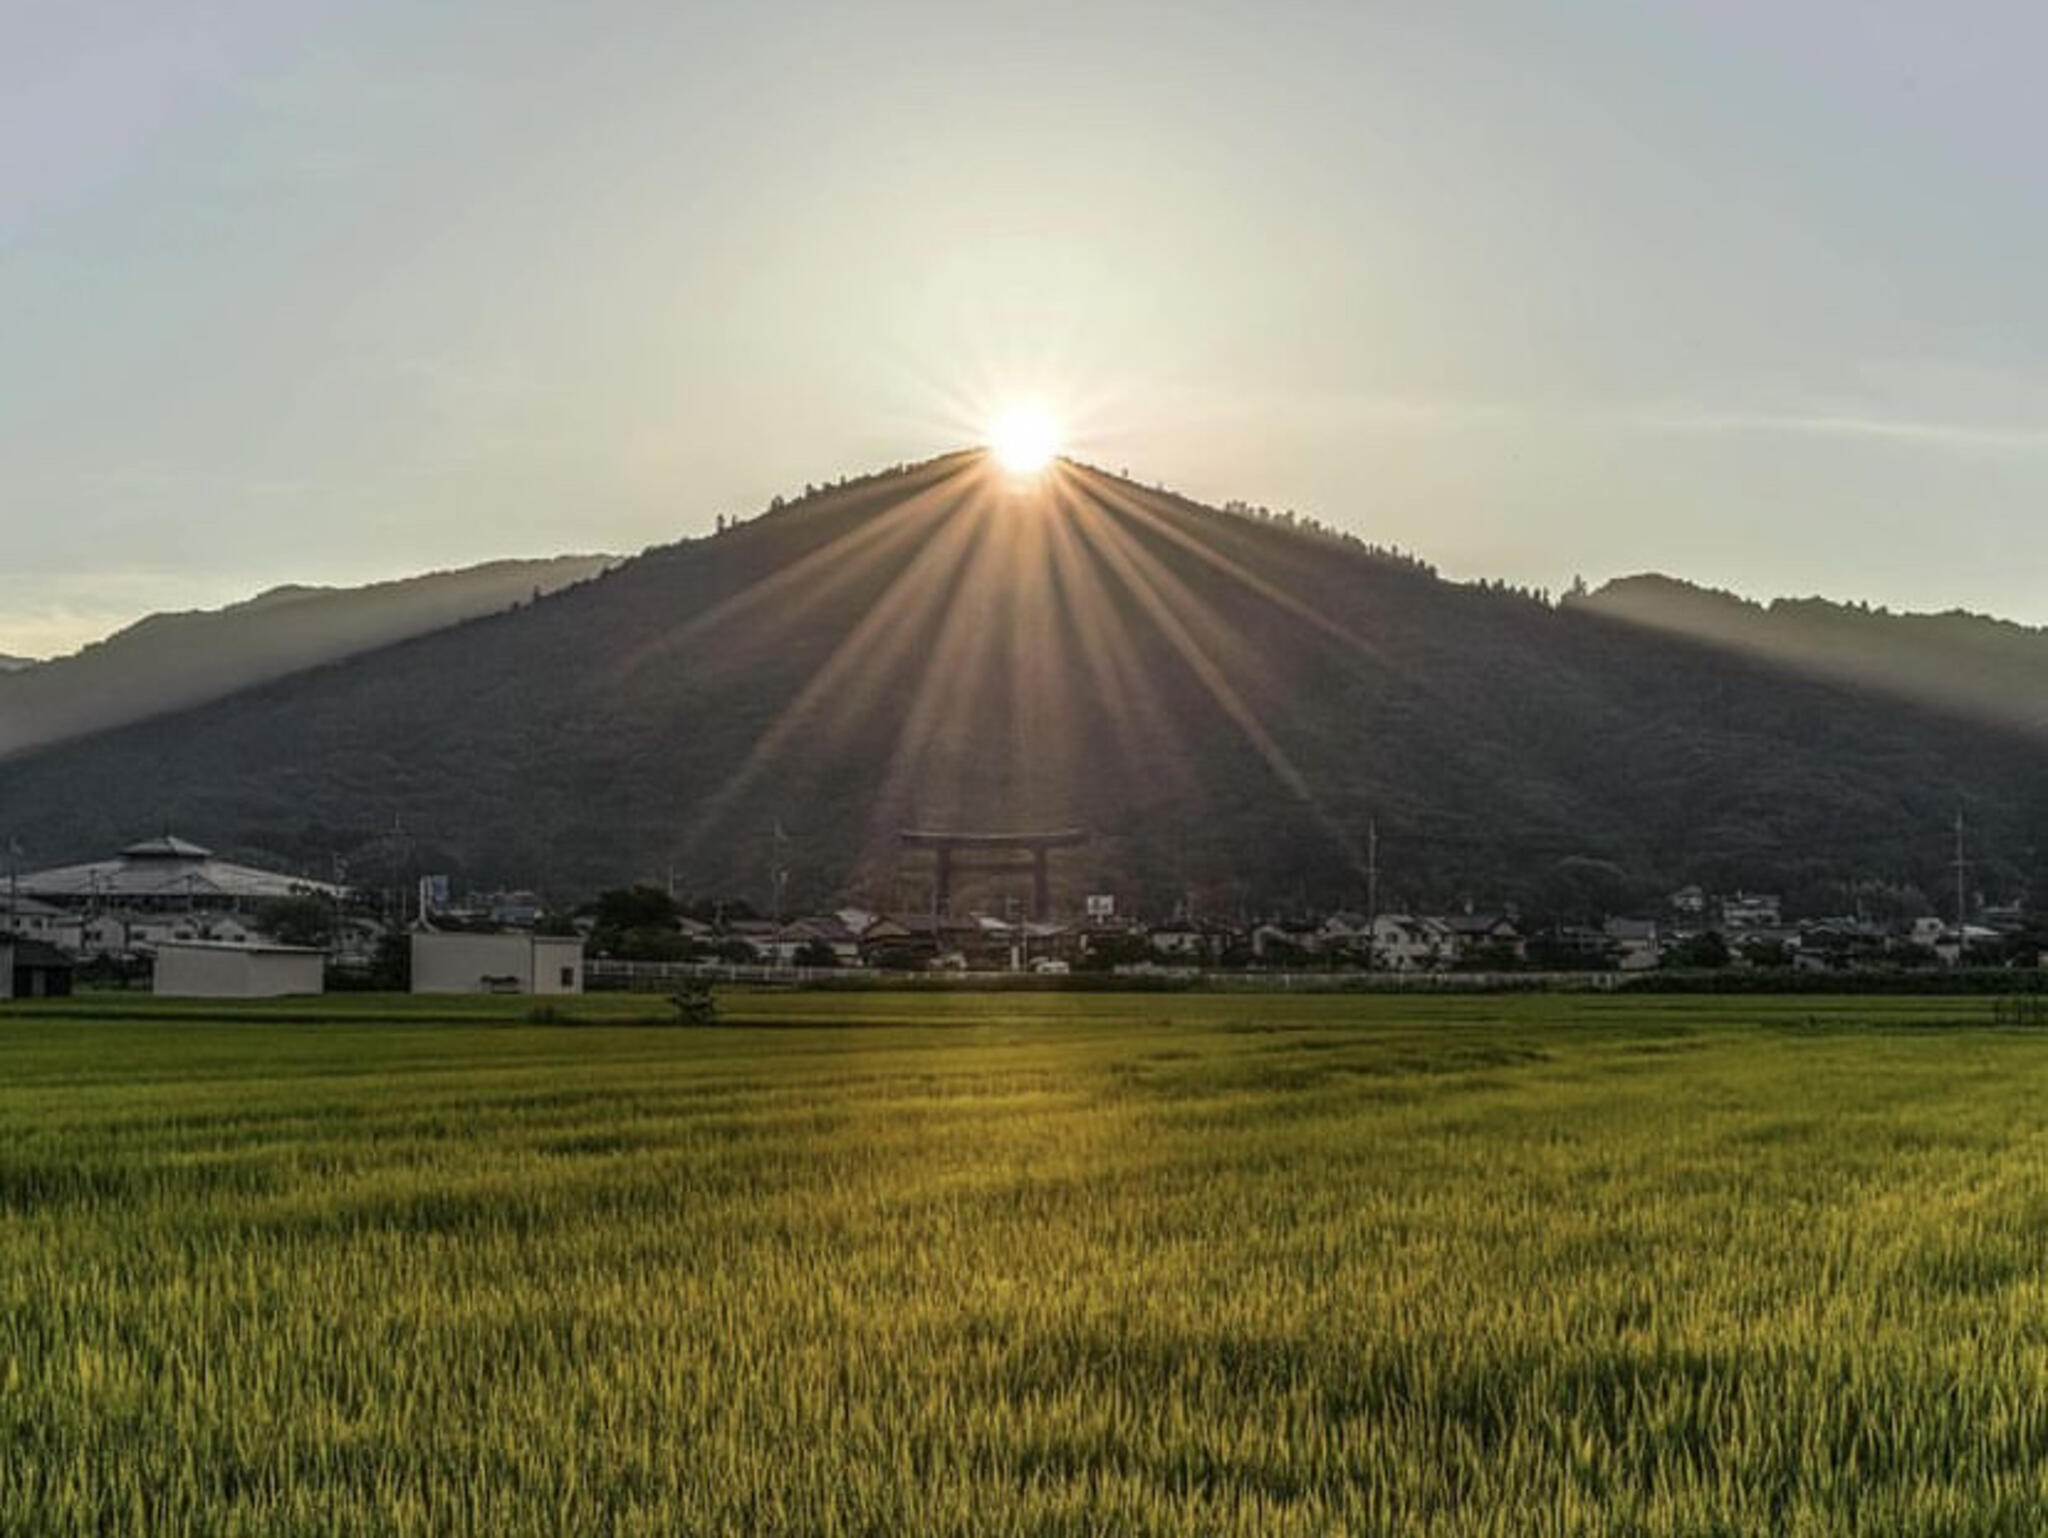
(1953, 661)
(176, 659)
(1228, 703)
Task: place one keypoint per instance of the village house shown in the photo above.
(1634, 944)
(758, 936)
(28, 919)
(1482, 937)
(33, 969)
(1284, 942)
(1195, 942)
(1403, 942)
(825, 935)
(1346, 936)
(131, 933)
(912, 941)
(1688, 902)
(1752, 910)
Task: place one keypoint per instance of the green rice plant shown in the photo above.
(1081, 1263)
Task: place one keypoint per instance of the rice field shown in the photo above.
(1025, 1264)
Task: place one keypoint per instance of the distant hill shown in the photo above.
(1958, 662)
(1225, 701)
(15, 664)
(169, 661)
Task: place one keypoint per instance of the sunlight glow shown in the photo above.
(1024, 438)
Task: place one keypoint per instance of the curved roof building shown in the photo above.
(165, 871)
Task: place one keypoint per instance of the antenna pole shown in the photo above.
(1372, 891)
(1962, 866)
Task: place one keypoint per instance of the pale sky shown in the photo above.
(298, 291)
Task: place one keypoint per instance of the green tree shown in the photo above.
(391, 962)
(816, 953)
(638, 923)
(635, 907)
(1706, 951)
(307, 921)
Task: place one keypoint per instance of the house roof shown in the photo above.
(166, 848)
(1631, 929)
(239, 948)
(825, 927)
(34, 953)
(926, 926)
(27, 907)
(1479, 923)
(1414, 925)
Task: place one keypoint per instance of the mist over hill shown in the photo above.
(1225, 701)
(168, 661)
(1963, 663)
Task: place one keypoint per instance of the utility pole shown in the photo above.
(1962, 867)
(1372, 892)
(778, 870)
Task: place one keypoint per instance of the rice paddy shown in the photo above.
(1026, 1264)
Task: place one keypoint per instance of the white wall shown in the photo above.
(229, 972)
(516, 963)
(459, 963)
(557, 965)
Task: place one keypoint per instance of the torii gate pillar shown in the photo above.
(994, 851)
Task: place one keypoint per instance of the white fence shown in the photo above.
(660, 976)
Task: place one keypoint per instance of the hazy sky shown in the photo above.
(1744, 290)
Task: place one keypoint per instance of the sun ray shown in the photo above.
(1163, 597)
(957, 666)
(1116, 495)
(790, 594)
(1043, 726)
(857, 666)
(1145, 733)
(1117, 498)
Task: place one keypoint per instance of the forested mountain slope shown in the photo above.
(1224, 702)
(169, 661)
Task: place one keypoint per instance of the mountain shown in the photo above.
(1967, 664)
(1225, 702)
(169, 661)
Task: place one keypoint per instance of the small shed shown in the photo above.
(508, 963)
(201, 969)
(30, 969)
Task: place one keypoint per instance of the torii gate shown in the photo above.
(995, 851)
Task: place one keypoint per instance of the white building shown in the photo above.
(1404, 942)
(200, 969)
(510, 963)
(1752, 910)
(152, 893)
(33, 920)
(166, 874)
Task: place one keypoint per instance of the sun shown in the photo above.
(1024, 438)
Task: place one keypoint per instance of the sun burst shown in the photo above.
(1024, 437)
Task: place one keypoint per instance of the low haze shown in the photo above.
(320, 293)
